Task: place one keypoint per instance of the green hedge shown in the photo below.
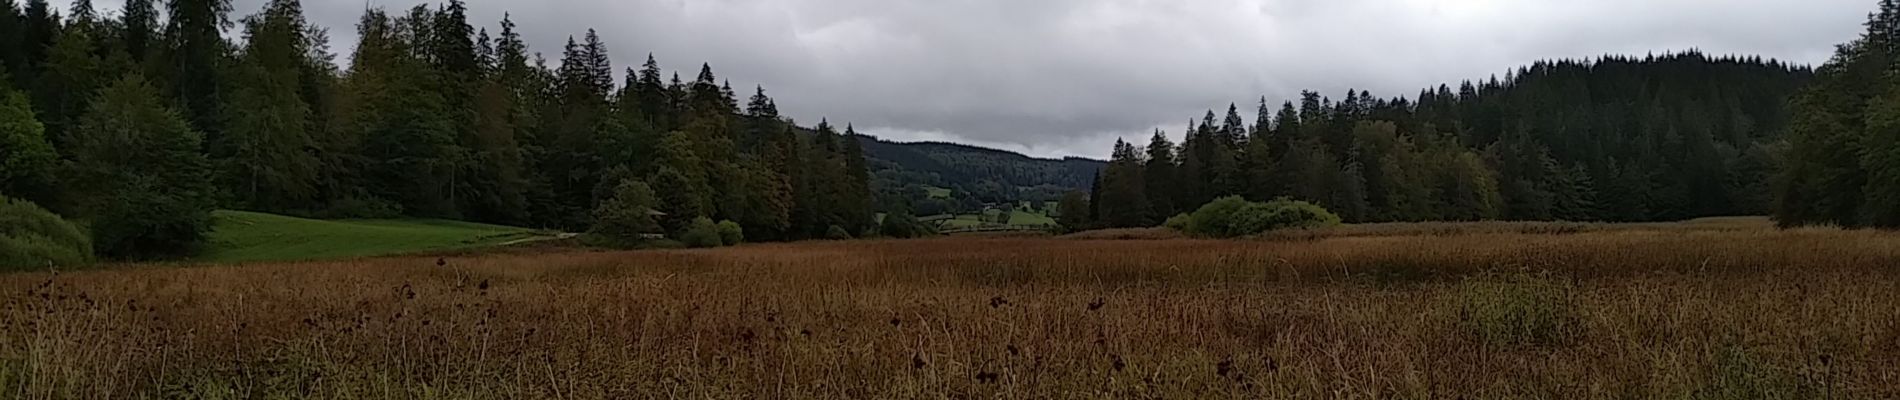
(1233, 216)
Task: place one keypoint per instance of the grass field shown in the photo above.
(937, 192)
(1018, 218)
(1727, 310)
(240, 236)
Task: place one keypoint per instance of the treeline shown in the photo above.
(1656, 138)
(141, 127)
(1844, 154)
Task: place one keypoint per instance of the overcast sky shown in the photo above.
(1065, 77)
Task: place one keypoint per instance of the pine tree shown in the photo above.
(1159, 175)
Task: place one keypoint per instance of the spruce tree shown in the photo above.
(196, 58)
(1158, 175)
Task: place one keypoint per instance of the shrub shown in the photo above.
(1178, 222)
(730, 233)
(701, 233)
(1289, 213)
(1233, 216)
(31, 238)
(1516, 309)
(902, 225)
(1216, 218)
(837, 233)
(626, 216)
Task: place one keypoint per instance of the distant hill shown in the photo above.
(988, 173)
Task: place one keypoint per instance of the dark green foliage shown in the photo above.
(13, 55)
(1124, 202)
(27, 160)
(903, 225)
(33, 238)
(266, 150)
(196, 58)
(730, 233)
(1614, 139)
(1178, 222)
(1072, 211)
(69, 75)
(837, 233)
(1158, 175)
(137, 175)
(432, 118)
(629, 215)
(701, 233)
(1843, 158)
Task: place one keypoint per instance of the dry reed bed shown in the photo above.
(1638, 314)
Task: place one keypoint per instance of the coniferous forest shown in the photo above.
(140, 128)
(1657, 138)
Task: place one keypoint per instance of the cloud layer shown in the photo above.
(1064, 77)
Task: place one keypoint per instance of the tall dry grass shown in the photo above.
(1614, 313)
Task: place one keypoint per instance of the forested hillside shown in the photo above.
(987, 174)
(1665, 137)
(142, 124)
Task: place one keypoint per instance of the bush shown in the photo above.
(837, 233)
(902, 225)
(701, 233)
(1178, 222)
(730, 233)
(1233, 216)
(33, 238)
(1216, 219)
(1516, 310)
(627, 216)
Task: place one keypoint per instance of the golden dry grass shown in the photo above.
(1655, 312)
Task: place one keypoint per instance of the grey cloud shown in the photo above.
(1063, 77)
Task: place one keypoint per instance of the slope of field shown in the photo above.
(240, 236)
(1718, 310)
